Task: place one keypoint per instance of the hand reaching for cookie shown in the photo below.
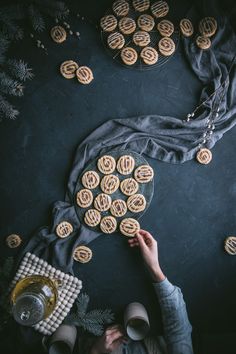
(112, 338)
(149, 250)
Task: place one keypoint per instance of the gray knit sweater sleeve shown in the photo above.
(177, 328)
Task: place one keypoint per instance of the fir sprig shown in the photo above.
(10, 86)
(7, 110)
(19, 70)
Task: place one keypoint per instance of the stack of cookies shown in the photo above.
(111, 194)
(137, 32)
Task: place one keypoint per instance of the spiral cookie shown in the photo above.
(90, 179)
(118, 207)
(203, 42)
(186, 27)
(84, 198)
(129, 227)
(58, 34)
(149, 55)
(166, 46)
(125, 164)
(146, 22)
(109, 184)
(84, 75)
(143, 174)
(92, 217)
(230, 245)
(136, 203)
(120, 8)
(116, 40)
(102, 202)
(108, 224)
(108, 23)
(159, 9)
(82, 254)
(208, 26)
(204, 156)
(141, 38)
(129, 186)
(106, 164)
(13, 241)
(64, 229)
(127, 25)
(141, 5)
(68, 69)
(129, 55)
(166, 28)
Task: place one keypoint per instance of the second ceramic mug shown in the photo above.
(136, 321)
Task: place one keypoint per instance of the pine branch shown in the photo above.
(36, 18)
(100, 316)
(4, 45)
(19, 69)
(9, 86)
(7, 111)
(92, 327)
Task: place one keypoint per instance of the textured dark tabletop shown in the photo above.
(194, 206)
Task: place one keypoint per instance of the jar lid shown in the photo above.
(29, 309)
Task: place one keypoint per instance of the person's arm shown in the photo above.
(112, 338)
(177, 329)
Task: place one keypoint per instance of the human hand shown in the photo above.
(149, 250)
(112, 338)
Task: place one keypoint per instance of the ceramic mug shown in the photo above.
(136, 321)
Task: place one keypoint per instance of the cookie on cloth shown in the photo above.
(146, 22)
(125, 164)
(208, 26)
(166, 46)
(92, 217)
(82, 254)
(143, 174)
(186, 27)
(141, 5)
(102, 202)
(109, 184)
(68, 69)
(64, 229)
(84, 198)
(160, 8)
(129, 186)
(116, 40)
(129, 227)
(204, 156)
(108, 23)
(108, 224)
(136, 203)
(58, 34)
(166, 28)
(118, 208)
(127, 25)
(84, 75)
(90, 179)
(230, 245)
(203, 42)
(129, 55)
(13, 241)
(120, 8)
(141, 38)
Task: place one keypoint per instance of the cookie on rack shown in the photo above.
(106, 164)
(92, 217)
(203, 42)
(160, 9)
(68, 69)
(186, 27)
(166, 28)
(136, 203)
(149, 55)
(118, 208)
(90, 179)
(84, 75)
(108, 224)
(208, 26)
(129, 55)
(84, 198)
(82, 254)
(58, 34)
(120, 8)
(166, 46)
(143, 174)
(125, 164)
(129, 227)
(102, 202)
(109, 184)
(141, 5)
(127, 25)
(146, 22)
(108, 23)
(116, 40)
(129, 186)
(141, 38)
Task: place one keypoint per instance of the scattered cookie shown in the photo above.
(125, 164)
(90, 179)
(129, 55)
(116, 40)
(141, 5)
(166, 46)
(58, 34)
(92, 217)
(141, 38)
(127, 25)
(109, 184)
(84, 75)
(136, 203)
(108, 23)
(129, 227)
(143, 174)
(186, 27)
(129, 186)
(82, 254)
(203, 42)
(64, 229)
(108, 224)
(160, 9)
(166, 28)
(120, 8)
(149, 55)
(204, 156)
(208, 26)
(118, 208)
(84, 198)
(68, 69)
(102, 202)
(146, 22)
(13, 241)
(106, 164)
(230, 245)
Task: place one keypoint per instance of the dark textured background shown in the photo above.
(194, 206)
